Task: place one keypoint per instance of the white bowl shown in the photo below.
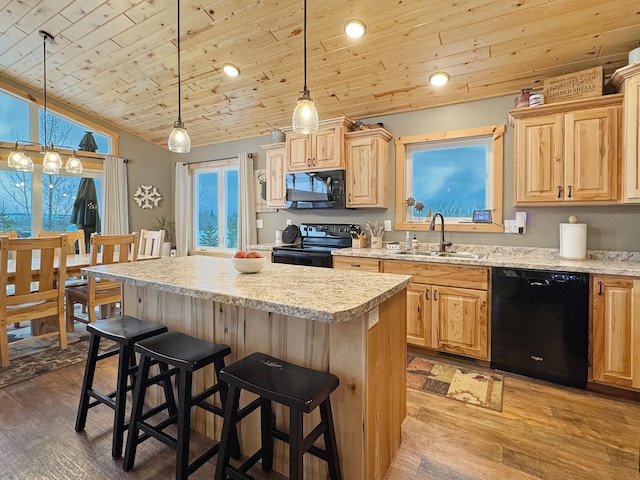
(249, 265)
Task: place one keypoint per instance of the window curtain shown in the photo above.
(183, 208)
(115, 202)
(247, 234)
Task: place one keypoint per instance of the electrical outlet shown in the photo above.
(259, 223)
(387, 225)
(510, 226)
(521, 222)
(288, 221)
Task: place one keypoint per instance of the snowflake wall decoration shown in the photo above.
(147, 196)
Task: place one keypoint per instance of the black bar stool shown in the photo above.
(185, 354)
(125, 331)
(302, 390)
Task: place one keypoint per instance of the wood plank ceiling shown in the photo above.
(117, 59)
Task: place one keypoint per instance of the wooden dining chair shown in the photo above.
(32, 288)
(75, 240)
(151, 242)
(103, 250)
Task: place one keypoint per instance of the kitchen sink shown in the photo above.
(460, 255)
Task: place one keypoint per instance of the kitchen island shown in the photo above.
(349, 323)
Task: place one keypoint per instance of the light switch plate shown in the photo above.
(387, 225)
(259, 223)
(510, 226)
(288, 221)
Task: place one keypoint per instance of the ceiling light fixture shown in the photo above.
(231, 70)
(52, 162)
(439, 79)
(179, 141)
(355, 28)
(305, 116)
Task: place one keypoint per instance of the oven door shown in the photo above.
(311, 259)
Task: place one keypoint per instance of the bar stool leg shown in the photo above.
(218, 365)
(296, 440)
(228, 426)
(184, 425)
(266, 423)
(87, 382)
(330, 444)
(136, 412)
(169, 397)
(120, 400)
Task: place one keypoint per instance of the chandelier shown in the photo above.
(52, 161)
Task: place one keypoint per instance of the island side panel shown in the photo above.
(386, 384)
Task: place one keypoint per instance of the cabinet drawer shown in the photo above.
(465, 276)
(357, 263)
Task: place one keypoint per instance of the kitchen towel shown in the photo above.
(573, 241)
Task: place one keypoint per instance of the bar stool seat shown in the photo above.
(299, 388)
(185, 355)
(125, 331)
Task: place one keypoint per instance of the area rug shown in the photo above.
(460, 383)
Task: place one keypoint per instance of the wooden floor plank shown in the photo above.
(544, 432)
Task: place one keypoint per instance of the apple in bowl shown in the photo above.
(248, 262)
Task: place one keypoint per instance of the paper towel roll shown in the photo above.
(573, 241)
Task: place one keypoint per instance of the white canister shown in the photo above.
(376, 242)
(536, 99)
(278, 237)
(634, 56)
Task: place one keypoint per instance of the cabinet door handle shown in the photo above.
(426, 294)
(308, 162)
(313, 161)
(349, 197)
(559, 191)
(435, 295)
(356, 265)
(569, 191)
(599, 288)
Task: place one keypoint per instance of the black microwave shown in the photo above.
(315, 189)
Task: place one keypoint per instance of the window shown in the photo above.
(452, 173)
(215, 221)
(34, 202)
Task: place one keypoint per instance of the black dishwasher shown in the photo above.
(540, 324)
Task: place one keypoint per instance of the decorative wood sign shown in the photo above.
(147, 196)
(582, 84)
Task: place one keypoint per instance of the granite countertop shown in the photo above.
(322, 294)
(599, 261)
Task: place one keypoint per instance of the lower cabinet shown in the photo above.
(615, 331)
(447, 307)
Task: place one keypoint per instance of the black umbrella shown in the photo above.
(85, 209)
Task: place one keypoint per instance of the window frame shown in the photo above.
(220, 166)
(496, 132)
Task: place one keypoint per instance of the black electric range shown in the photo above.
(317, 240)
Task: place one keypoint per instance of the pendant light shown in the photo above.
(305, 116)
(179, 141)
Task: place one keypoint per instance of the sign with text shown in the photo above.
(582, 84)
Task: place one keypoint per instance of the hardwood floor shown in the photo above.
(543, 432)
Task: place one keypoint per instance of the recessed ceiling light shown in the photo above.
(231, 70)
(439, 79)
(355, 28)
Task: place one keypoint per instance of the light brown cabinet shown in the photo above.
(357, 263)
(627, 80)
(447, 307)
(615, 331)
(275, 171)
(323, 150)
(367, 166)
(568, 152)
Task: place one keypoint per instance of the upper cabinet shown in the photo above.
(568, 152)
(276, 160)
(323, 150)
(627, 80)
(367, 168)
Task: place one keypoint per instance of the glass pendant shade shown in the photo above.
(15, 158)
(51, 163)
(74, 165)
(179, 141)
(305, 116)
(25, 165)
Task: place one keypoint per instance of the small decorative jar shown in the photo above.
(522, 99)
(277, 136)
(536, 99)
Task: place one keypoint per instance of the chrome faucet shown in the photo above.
(432, 227)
